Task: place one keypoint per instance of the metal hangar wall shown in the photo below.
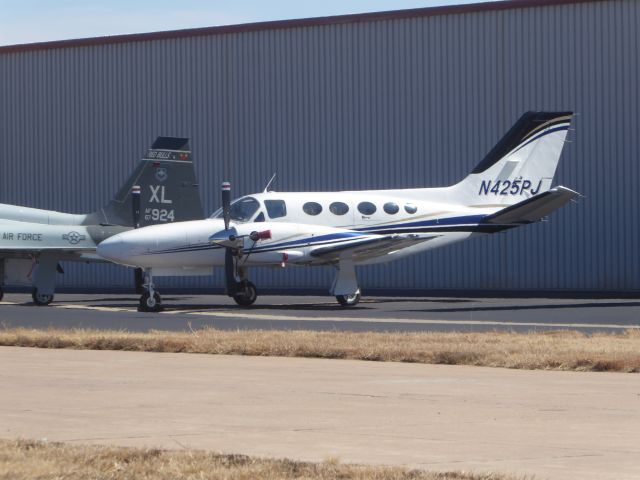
(384, 100)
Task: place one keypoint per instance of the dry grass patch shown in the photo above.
(552, 351)
(21, 460)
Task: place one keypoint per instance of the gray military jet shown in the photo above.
(33, 242)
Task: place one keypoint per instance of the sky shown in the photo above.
(27, 21)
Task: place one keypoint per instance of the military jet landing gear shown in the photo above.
(150, 300)
(41, 299)
(245, 294)
(349, 300)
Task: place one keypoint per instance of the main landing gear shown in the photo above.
(345, 285)
(150, 300)
(41, 299)
(349, 300)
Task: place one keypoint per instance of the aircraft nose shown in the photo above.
(111, 249)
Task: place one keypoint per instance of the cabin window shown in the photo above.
(276, 208)
(410, 208)
(367, 208)
(391, 208)
(243, 209)
(312, 208)
(338, 208)
(260, 217)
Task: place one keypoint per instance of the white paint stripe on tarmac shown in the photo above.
(260, 316)
(9, 303)
(95, 308)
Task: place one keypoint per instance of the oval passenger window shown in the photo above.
(312, 208)
(366, 208)
(391, 208)
(338, 208)
(410, 208)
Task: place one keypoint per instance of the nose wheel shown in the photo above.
(41, 299)
(246, 293)
(150, 300)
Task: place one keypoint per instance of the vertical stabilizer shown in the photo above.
(521, 165)
(169, 191)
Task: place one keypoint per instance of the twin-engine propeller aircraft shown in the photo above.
(510, 187)
(162, 189)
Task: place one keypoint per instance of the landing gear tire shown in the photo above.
(150, 303)
(246, 295)
(1, 294)
(348, 300)
(41, 299)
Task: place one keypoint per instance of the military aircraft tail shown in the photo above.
(521, 165)
(168, 189)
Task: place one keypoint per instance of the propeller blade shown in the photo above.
(138, 279)
(229, 271)
(226, 203)
(135, 204)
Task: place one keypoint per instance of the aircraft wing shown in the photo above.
(68, 254)
(367, 248)
(533, 209)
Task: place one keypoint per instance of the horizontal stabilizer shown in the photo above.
(533, 209)
(368, 248)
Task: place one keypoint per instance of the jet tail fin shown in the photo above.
(521, 165)
(169, 191)
(533, 209)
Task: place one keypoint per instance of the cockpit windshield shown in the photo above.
(241, 210)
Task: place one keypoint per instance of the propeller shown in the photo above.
(226, 203)
(138, 274)
(229, 266)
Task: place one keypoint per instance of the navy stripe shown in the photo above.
(464, 220)
(538, 137)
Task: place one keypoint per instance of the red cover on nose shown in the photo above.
(264, 235)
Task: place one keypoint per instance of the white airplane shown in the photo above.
(33, 242)
(510, 187)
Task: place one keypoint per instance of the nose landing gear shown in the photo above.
(150, 301)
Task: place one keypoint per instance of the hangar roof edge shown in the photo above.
(286, 24)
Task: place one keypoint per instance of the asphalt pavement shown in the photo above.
(185, 312)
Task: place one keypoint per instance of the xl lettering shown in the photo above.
(157, 195)
(509, 187)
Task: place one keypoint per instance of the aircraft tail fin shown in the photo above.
(169, 191)
(522, 164)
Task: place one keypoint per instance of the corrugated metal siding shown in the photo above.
(386, 104)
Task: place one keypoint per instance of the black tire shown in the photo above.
(348, 300)
(1, 294)
(247, 294)
(149, 303)
(41, 300)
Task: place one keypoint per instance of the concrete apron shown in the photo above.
(557, 425)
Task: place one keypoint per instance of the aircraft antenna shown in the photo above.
(266, 189)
